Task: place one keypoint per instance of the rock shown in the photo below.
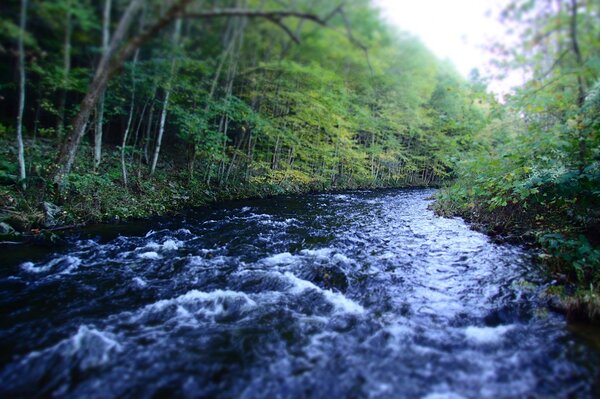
(18, 221)
(48, 239)
(327, 277)
(555, 303)
(8, 234)
(6, 229)
(51, 214)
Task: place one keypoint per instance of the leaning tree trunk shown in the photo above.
(148, 134)
(21, 146)
(110, 63)
(132, 107)
(105, 69)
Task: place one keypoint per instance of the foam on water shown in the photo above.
(342, 303)
(140, 282)
(368, 294)
(171, 245)
(279, 259)
(487, 335)
(443, 395)
(339, 301)
(87, 349)
(62, 265)
(96, 347)
(212, 303)
(149, 255)
(322, 253)
(299, 285)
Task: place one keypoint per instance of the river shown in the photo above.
(364, 294)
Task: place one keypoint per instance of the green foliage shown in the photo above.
(534, 170)
(246, 103)
(578, 253)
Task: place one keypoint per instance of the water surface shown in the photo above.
(356, 295)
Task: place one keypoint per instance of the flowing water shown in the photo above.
(356, 295)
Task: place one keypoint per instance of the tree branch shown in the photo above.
(554, 65)
(286, 29)
(353, 40)
(238, 12)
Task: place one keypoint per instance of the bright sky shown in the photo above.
(453, 29)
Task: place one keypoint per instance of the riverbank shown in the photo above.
(101, 196)
(568, 247)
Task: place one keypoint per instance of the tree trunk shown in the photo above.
(148, 134)
(580, 82)
(163, 116)
(100, 116)
(224, 154)
(21, 146)
(66, 71)
(161, 131)
(211, 94)
(105, 69)
(275, 159)
(250, 157)
(129, 120)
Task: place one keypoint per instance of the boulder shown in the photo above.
(52, 214)
(6, 229)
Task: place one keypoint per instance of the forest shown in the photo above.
(114, 109)
(223, 104)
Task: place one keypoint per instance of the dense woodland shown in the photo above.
(115, 109)
(327, 97)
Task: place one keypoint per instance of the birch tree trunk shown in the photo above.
(148, 132)
(580, 81)
(68, 150)
(21, 146)
(100, 116)
(66, 70)
(129, 120)
(163, 116)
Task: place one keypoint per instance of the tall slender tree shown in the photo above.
(66, 67)
(165, 105)
(106, 19)
(21, 62)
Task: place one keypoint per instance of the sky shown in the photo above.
(453, 29)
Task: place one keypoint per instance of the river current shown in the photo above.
(355, 295)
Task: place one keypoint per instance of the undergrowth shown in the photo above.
(556, 210)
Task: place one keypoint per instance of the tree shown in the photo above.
(165, 105)
(66, 66)
(118, 53)
(21, 57)
(106, 19)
